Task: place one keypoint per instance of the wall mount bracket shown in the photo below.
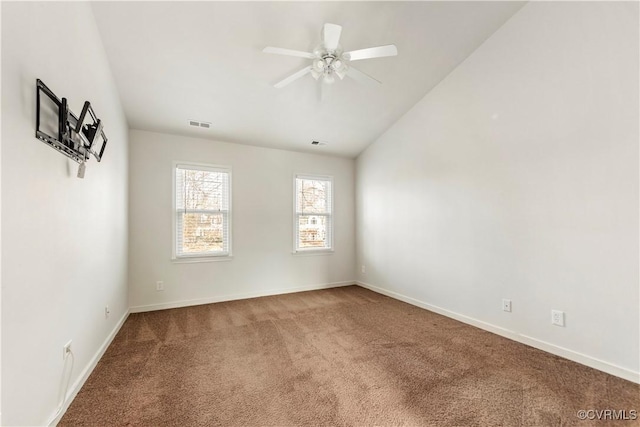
(58, 127)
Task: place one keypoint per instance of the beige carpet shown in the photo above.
(344, 356)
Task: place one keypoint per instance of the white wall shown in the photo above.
(262, 199)
(517, 177)
(64, 249)
(0, 243)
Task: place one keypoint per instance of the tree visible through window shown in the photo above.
(313, 222)
(202, 211)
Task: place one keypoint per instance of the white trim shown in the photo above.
(311, 252)
(75, 388)
(196, 259)
(575, 356)
(314, 177)
(210, 300)
(196, 166)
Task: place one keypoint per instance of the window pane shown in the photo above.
(313, 196)
(313, 231)
(201, 189)
(202, 232)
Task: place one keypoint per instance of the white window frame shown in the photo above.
(296, 215)
(201, 256)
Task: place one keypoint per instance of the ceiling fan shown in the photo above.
(329, 60)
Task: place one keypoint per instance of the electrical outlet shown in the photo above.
(557, 317)
(506, 305)
(159, 286)
(363, 269)
(106, 312)
(66, 350)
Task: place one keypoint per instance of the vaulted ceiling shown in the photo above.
(176, 61)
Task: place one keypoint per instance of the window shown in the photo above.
(313, 213)
(202, 211)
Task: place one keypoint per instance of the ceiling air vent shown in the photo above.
(319, 143)
(198, 124)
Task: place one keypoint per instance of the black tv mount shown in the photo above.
(76, 138)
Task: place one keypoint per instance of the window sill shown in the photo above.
(192, 260)
(313, 252)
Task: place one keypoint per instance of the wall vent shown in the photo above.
(199, 124)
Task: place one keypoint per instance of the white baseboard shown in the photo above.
(575, 356)
(77, 385)
(210, 300)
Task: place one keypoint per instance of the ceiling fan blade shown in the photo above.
(288, 52)
(293, 77)
(331, 36)
(362, 77)
(372, 52)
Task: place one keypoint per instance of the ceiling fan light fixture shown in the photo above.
(328, 78)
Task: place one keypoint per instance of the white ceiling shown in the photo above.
(175, 61)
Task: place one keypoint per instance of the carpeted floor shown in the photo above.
(344, 356)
